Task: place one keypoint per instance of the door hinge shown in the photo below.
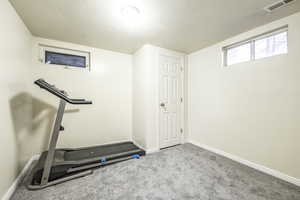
(181, 99)
(181, 68)
(181, 130)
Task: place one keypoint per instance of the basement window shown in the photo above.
(57, 56)
(268, 44)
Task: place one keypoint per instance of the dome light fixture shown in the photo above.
(130, 12)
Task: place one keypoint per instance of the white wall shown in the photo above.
(107, 84)
(144, 98)
(139, 97)
(252, 109)
(15, 103)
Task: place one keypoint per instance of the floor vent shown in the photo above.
(278, 5)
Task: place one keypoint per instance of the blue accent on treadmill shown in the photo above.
(136, 156)
(103, 160)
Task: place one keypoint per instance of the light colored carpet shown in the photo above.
(179, 173)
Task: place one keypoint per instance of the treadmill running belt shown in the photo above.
(100, 151)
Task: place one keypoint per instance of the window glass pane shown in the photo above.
(270, 46)
(239, 54)
(65, 59)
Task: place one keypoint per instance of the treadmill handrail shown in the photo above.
(59, 93)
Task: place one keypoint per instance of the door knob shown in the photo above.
(162, 104)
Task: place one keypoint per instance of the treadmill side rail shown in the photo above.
(68, 178)
(53, 142)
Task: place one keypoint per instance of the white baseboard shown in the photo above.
(154, 150)
(248, 163)
(114, 142)
(138, 145)
(148, 151)
(19, 178)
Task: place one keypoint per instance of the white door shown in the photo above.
(170, 100)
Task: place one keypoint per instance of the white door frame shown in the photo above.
(165, 52)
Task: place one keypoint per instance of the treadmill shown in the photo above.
(59, 165)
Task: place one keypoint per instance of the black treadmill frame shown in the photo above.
(75, 169)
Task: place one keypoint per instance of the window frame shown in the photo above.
(47, 48)
(252, 42)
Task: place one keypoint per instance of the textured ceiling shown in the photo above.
(182, 25)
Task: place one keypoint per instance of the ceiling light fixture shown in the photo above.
(130, 12)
